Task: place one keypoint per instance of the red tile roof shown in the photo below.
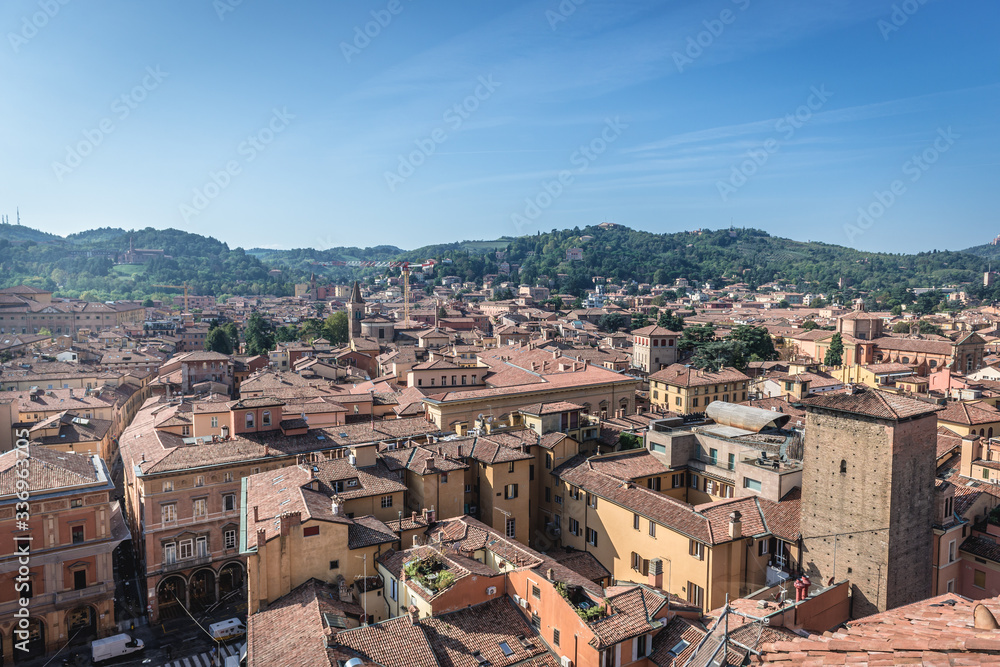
(872, 403)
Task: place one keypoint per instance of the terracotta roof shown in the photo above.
(293, 630)
(397, 642)
(679, 375)
(550, 408)
(969, 413)
(631, 610)
(48, 469)
(935, 631)
(872, 403)
(654, 330)
(783, 517)
(583, 563)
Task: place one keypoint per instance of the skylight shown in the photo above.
(505, 647)
(679, 647)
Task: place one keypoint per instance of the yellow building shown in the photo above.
(687, 390)
(975, 418)
(302, 522)
(709, 551)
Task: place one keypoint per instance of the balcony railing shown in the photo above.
(185, 563)
(57, 598)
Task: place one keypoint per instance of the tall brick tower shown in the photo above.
(868, 496)
(355, 312)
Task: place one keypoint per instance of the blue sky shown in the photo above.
(868, 123)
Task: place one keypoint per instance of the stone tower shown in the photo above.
(355, 311)
(868, 496)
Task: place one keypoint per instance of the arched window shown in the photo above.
(843, 467)
(906, 360)
(249, 420)
(989, 433)
(982, 432)
(265, 418)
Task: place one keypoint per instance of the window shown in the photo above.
(752, 484)
(555, 636)
(77, 532)
(536, 621)
(228, 477)
(951, 551)
(168, 486)
(677, 481)
(265, 418)
(393, 586)
(694, 402)
(592, 537)
(635, 521)
(76, 502)
(652, 529)
(386, 501)
(468, 488)
(199, 480)
(713, 456)
(636, 562)
(510, 491)
(185, 430)
(696, 549)
(229, 502)
(548, 460)
(762, 547)
(843, 467)
(186, 549)
(168, 513)
(559, 500)
(509, 528)
(653, 483)
(202, 546)
(951, 585)
(510, 467)
(531, 472)
(79, 580)
(335, 565)
(199, 508)
(215, 422)
(548, 494)
(696, 594)
(574, 527)
(732, 461)
(229, 539)
(310, 531)
(536, 592)
(693, 482)
(574, 493)
(169, 553)
(592, 500)
(249, 419)
(979, 579)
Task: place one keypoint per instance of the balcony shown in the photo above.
(185, 563)
(57, 599)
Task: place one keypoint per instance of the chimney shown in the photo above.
(735, 525)
(984, 618)
(550, 574)
(430, 463)
(413, 516)
(429, 515)
(656, 573)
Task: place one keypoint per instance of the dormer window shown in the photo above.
(249, 420)
(265, 418)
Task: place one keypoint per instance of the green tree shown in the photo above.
(901, 327)
(783, 304)
(233, 333)
(670, 321)
(148, 303)
(928, 328)
(504, 294)
(834, 355)
(442, 312)
(897, 311)
(639, 320)
(335, 329)
(286, 334)
(259, 335)
(629, 441)
(695, 336)
(716, 354)
(611, 322)
(809, 325)
(218, 341)
(577, 303)
(756, 340)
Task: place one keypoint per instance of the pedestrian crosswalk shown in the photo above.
(205, 659)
